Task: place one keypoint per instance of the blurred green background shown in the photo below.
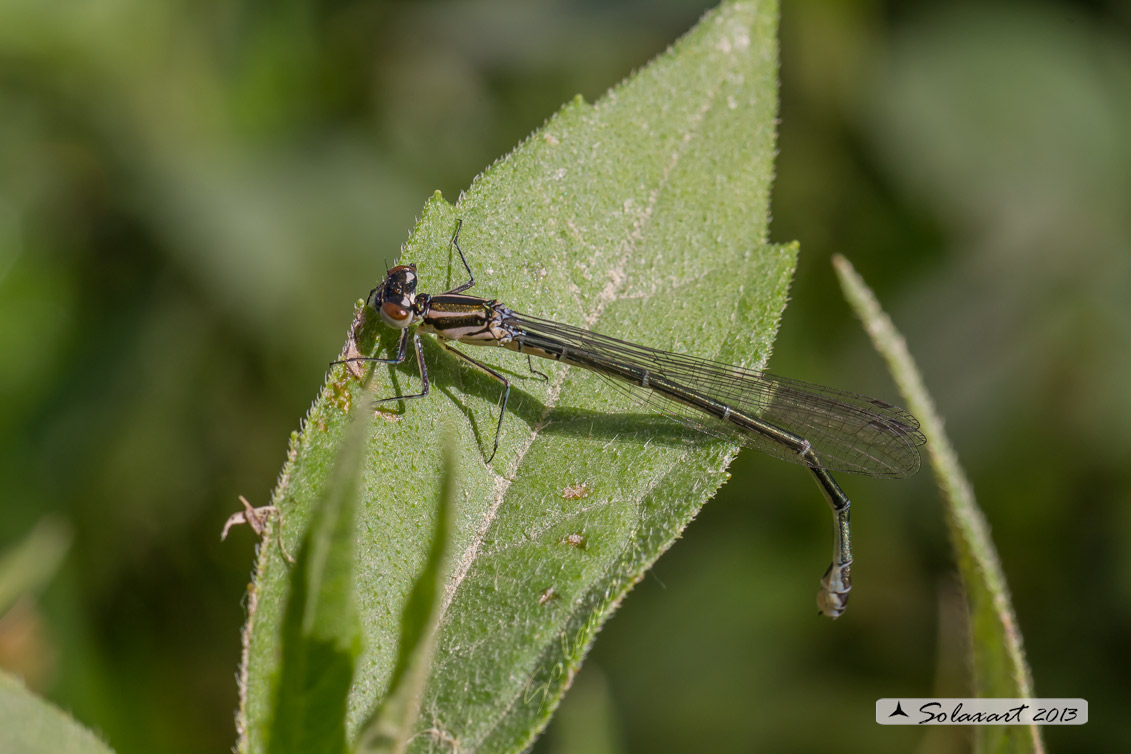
(193, 195)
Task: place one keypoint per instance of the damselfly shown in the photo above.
(818, 427)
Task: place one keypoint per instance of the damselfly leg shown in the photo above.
(470, 277)
(502, 401)
(540, 375)
(400, 358)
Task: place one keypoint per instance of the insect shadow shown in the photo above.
(456, 380)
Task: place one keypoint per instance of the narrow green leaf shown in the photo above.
(33, 562)
(997, 655)
(321, 634)
(31, 725)
(394, 723)
(642, 216)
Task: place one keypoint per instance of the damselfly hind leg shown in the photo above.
(502, 402)
(540, 375)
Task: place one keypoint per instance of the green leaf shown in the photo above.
(997, 655)
(34, 561)
(642, 216)
(31, 725)
(321, 635)
(393, 725)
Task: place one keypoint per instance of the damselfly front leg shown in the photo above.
(402, 351)
(420, 362)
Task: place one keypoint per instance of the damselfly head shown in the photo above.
(396, 298)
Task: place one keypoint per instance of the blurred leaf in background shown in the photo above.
(193, 194)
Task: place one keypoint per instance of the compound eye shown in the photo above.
(395, 315)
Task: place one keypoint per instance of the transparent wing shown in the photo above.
(848, 432)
